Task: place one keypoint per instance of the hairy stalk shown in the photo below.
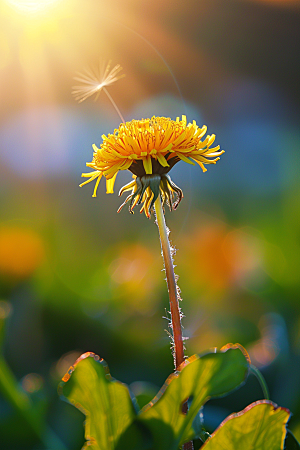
(171, 281)
(173, 295)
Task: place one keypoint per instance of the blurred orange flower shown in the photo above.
(134, 274)
(21, 252)
(219, 258)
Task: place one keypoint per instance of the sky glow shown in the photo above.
(31, 6)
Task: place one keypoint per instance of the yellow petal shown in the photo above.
(215, 149)
(211, 140)
(179, 140)
(127, 187)
(91, 179)
(184, 158)
(201, 132)
(95, 148)
(126, 164)
(211, 155)
(162, 160)
(201, 165)
(203, 144)
(96, 186)
(166, 138)
(90, 174)
(133, 143)
(147, 165)
(110, 184)
(110, 172)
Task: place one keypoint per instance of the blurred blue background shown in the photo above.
(76, 276)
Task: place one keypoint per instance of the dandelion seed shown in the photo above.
(94, 80)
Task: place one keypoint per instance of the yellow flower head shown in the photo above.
(149, 148)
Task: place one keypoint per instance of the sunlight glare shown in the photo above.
(31, 6)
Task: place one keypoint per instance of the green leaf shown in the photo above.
(111, 420)
(260, 426)
(105, 402)
(212, 375)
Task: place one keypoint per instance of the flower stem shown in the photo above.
(171, 282)
(173, 296)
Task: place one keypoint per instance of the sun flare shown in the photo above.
(31, 6)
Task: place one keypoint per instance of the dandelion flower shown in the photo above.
(149, 148)
(94, 80)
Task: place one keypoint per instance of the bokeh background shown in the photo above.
(76, 276)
